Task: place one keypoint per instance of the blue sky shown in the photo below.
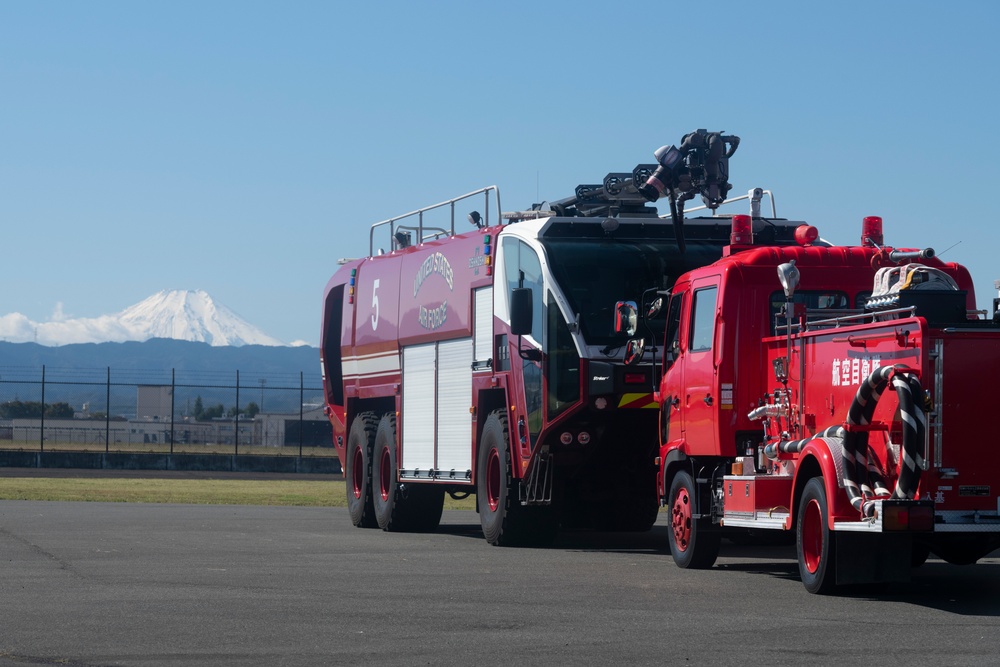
(242, 147)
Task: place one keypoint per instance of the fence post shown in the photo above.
(236, 419)
(41, 429)
(173, 391)
(107, 415)
(302, 423)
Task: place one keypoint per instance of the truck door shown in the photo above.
(522, 268)
(672, 382)
(689, 404)
(699, 400)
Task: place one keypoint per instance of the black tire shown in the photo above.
(358, 470)
(504, 520)
(693, 543)
(400, 507)
(814, 541)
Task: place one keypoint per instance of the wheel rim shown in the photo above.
(680, 519)
(384, 473)
(812, 536)
(493, 480)
(357, 473)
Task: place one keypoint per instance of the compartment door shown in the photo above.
(419, 406)
(454, 421)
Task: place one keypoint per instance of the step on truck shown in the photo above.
(833, 393)
(488, 360)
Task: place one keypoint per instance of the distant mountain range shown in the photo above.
(188, 315)
(77, 374)
(165, 354)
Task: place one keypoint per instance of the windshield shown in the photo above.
(594, 274)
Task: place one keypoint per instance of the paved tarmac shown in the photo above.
(88, 584)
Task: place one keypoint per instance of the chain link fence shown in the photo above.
(164, 412)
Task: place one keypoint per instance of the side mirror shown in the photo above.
(521, 321)
(626, 317)
(633, 351)
(654, 308)
(520, 311)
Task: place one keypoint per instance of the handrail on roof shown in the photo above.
(435, 231)
(755, 194)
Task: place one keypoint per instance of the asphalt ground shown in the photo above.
(86, 584)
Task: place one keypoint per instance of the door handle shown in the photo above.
(708, 400)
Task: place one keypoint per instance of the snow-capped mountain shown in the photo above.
(190, 315)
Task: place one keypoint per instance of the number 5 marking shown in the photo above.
(375, 305)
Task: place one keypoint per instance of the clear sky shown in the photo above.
(242, 147)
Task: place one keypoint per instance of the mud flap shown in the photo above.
(870, 558)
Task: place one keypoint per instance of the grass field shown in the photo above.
(163, 448)
(304, 493)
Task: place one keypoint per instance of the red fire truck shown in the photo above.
(439, 379)
(831, 392)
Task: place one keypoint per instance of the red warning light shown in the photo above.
(871, 231)
(806, 234)
(742, 230)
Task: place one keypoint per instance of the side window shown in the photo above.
(331, 345)
(703, 319)
(531, 271)
(672, 340)
(820, 304)
(510, 263)
(564, 363)
(522, 269)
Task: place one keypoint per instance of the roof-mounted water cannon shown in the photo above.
(700, 165)
(911, 255)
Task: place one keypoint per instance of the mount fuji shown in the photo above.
(190, 315)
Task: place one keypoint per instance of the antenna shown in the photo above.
(948, 248)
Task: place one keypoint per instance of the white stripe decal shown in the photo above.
(371, 365)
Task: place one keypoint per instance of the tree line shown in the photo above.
(35, 410)
(200, 412)
(61, 410)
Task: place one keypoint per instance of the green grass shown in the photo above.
(305, 493)
(164, 448)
